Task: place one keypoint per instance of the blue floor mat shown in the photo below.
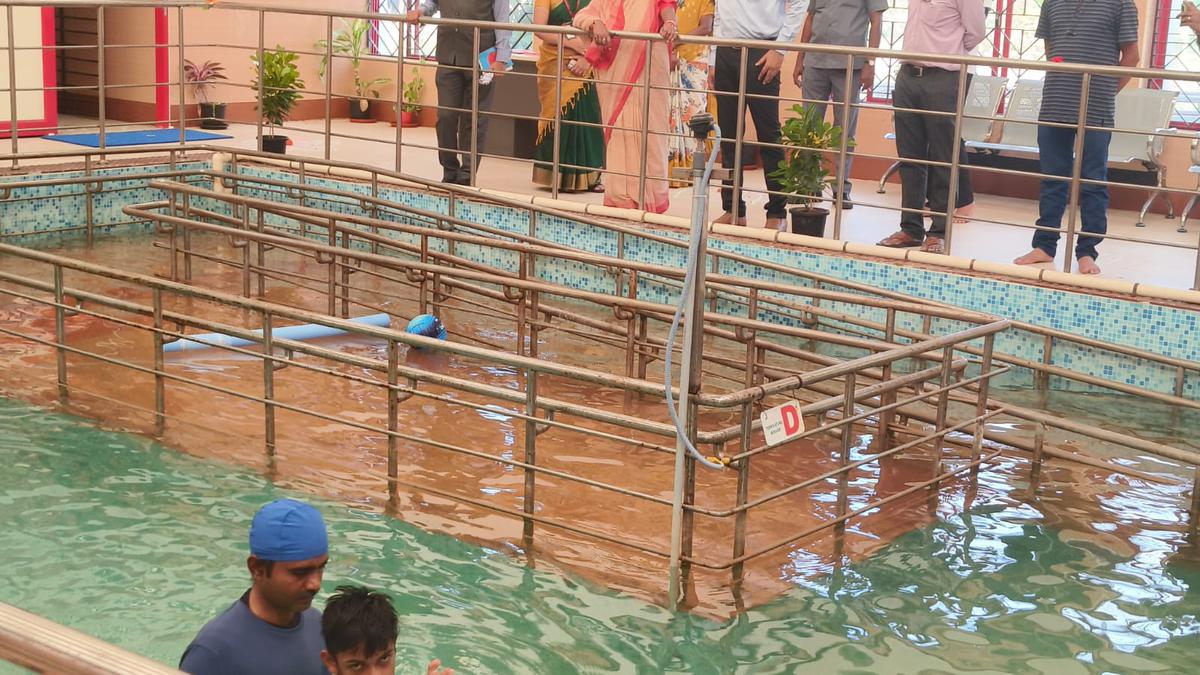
(147, 137)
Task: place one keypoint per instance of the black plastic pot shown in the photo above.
(809, 221)
(212, 116)
(360, 109)
(276, 144)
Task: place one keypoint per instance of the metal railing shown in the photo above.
(408, 252)
(264, 15)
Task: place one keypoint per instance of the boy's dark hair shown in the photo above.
(358, 616)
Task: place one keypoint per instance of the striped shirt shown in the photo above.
(1079, 31)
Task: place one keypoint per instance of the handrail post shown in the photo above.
(393, 422)
(12, 88)
(328, 84)
(160, 393)
(531, 433)
(101, 78)
(842, 175)
(181, 90)
(740, 130)
(960, 100)
(268, 383)
(90, 203)
(475, 93)
(885, 418)
(262, 81)
(847, 429)
(558, 84)
(1076, 172)
(60, 333)
(981, 400)
(743, 490)
(645, 135)
(943, 407)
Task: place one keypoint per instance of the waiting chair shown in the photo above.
(1144, 113)
(979, 112)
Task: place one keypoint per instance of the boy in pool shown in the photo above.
(360, 628)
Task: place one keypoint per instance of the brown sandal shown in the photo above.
(899, 239)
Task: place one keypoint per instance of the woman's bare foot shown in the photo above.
(727, 219)
(963, 213)
(1087, 265)
(1034, 257)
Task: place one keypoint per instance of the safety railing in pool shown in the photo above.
(877, 385)
(308, 172)
(321, 24)
(343, 230)
(538, 414)
(42, 646)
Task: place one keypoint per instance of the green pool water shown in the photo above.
(139, 545)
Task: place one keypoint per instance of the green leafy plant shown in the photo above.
(412, 93)
(203, 76)
(803, 171)
(280, 82)
(352, 41)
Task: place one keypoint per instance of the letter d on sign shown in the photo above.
(782, 423)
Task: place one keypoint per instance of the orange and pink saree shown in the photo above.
(620, 74)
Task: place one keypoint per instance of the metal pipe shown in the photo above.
(60, 333)
(328, 84)
(13, 122)
(268, 366)
(160, 393)
(393, 421)
(1076, 169)
(531, 434)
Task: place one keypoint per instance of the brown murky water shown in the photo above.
(347, 463)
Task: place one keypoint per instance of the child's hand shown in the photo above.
(435, 668)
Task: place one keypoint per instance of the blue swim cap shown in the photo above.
(427, 325)
(287, 530)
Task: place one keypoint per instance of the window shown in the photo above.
(1011, 30)
(1174, 48)
(421, 41)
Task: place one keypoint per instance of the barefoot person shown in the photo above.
(1101, 32)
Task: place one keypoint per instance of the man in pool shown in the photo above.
(273, 629)
(360, 628)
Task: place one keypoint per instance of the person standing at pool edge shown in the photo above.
(273, 629)
(1099, 32)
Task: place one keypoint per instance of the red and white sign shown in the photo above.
(782, 423)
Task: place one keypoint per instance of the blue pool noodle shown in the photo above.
(308, 331)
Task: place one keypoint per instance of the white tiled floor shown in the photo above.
(873, 218)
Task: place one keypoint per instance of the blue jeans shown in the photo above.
(1056, 146)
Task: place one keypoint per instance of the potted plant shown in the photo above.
(352, 41)
(281, 85)
(410, 109)
(803, 171)
(202, 78)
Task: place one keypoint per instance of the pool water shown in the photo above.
(140, 545)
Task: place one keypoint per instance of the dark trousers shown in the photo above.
(454, 92)
(1056, 148)
(926, 137)
(764, 112)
